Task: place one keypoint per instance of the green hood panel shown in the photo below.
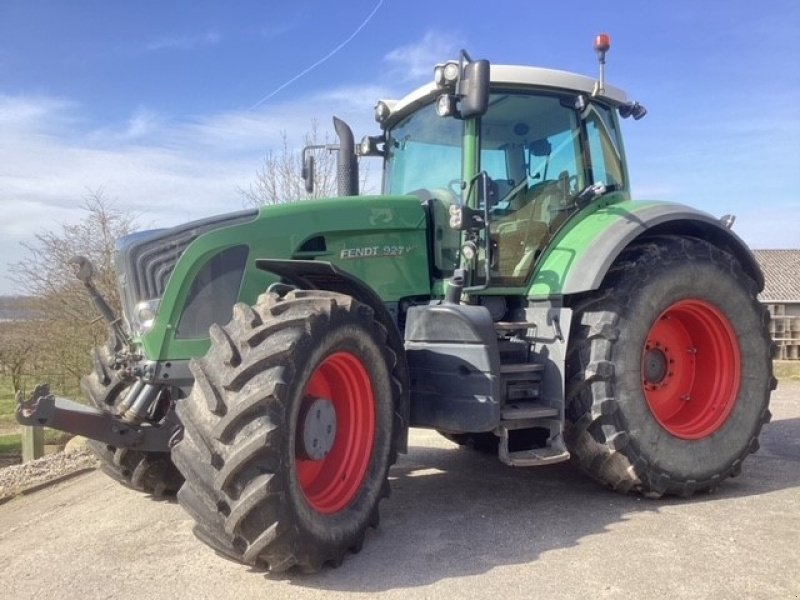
(381, 240)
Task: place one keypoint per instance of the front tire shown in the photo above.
(669, 370)
(149, 472)
(288, 431)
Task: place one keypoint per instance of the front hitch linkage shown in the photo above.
(43, 409)
(84, 271)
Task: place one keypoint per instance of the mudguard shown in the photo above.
(580, 255)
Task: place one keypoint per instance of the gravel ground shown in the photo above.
(17, 479)
(458, 525)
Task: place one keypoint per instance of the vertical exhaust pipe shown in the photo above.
(346, 161)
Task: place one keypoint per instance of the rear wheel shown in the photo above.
(150, 472)
(288, 431)
(669, 370)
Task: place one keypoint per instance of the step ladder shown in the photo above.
(524, 409)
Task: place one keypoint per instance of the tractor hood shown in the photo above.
(205, 267)
(144, 260)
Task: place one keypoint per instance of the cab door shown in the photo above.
(531, 147)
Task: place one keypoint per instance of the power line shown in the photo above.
(321, 60)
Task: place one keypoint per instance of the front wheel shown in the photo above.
(150, 472)
(669, 370)
(288, 431)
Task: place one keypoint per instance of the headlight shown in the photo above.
(445, 105)
(144, 314)
(469, 251)
(451, 72)
(382, 111)
(446, 74)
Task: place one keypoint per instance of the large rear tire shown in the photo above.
(669, 370)
(150, 472)
(289, 431)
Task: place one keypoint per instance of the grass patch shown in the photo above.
(787, 369)
(8, 402)
(11, 443)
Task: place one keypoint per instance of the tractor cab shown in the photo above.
(541, 148)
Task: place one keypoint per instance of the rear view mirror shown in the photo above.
(474, 89)
(540, 147)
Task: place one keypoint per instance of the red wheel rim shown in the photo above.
(330, 483)
(691, 369)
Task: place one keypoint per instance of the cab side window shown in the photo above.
(604, 153)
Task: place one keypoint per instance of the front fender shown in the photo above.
(579, 257)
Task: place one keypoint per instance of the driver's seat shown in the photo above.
(522, 234)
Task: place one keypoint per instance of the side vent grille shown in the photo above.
(145, 260)
(315, 244)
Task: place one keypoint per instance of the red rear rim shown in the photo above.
(691, 368)
(330, 483)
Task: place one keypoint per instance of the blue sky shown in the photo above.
(169, 106)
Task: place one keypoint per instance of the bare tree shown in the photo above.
(278, 181)
(46, 273)
(17, 349)
(64, 323)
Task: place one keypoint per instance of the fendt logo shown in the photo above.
(375, 251)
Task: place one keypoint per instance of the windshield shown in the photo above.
(423, 151)
(525, 138)
(540, 153)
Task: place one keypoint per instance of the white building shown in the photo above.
(782, 296)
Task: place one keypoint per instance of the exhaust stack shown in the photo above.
(346, 161)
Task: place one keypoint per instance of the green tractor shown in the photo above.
(503, 290)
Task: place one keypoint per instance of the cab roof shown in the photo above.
(511, 76)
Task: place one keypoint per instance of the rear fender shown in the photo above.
(580, 256)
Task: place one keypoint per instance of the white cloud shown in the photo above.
(142, 126)
(165, 170)
(247, 130)
(415, 61)
(33, 114)
(184, 42)
(142, 123)
(276, 29)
